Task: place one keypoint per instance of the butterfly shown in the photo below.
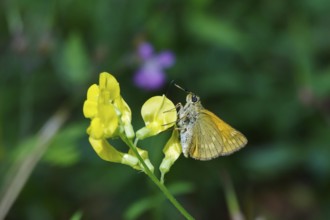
(203, 135)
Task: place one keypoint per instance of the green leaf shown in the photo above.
(72, 62)
(215, 31)
(64, 151)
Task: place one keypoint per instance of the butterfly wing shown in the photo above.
(214, 137)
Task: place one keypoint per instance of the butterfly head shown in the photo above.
(192, 98)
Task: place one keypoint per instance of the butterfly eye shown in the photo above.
(194, 98)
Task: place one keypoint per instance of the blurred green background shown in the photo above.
(262, 66)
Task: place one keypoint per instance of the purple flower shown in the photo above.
(151, 75)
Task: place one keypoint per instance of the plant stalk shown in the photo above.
(161, 186)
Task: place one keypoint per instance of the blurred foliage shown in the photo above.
(262, 66)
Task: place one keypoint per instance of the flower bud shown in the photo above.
(172, 151)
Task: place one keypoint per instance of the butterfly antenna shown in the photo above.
(179, 87)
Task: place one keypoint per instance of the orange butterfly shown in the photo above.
(203, 135)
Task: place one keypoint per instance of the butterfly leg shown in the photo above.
(170, 110)
(179, 106)
(181, 129)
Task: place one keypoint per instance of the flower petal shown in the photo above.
(166, 59)
(109, 86)
(149, 78)
(90, 105)
(95, 130)
(109, 118)
(145, 50)
(90, 109)
(105, 150)
(93, 93)
(159, 114)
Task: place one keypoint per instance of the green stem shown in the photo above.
(154, 179)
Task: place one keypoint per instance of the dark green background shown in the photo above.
(262, 66)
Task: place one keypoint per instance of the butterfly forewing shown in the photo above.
(214, 137)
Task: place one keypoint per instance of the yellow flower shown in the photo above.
(172, 151)
(109, 153)
(159, 114)
(107, 110)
